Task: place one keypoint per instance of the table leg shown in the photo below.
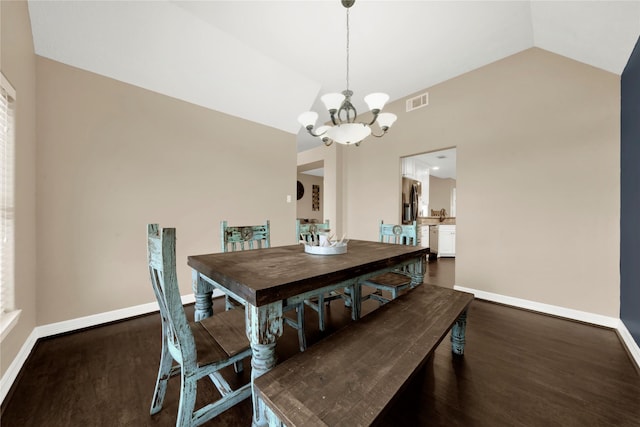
(458, 334)
(264, 326)
(202, 292)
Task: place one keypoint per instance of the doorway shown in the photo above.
(429, 197)
(436, 173)
(310, 193)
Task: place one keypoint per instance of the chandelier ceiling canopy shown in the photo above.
(345, 129)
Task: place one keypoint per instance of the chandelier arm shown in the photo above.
(327, 141)
(375, 116)
(384, 131)
(312, 133)
(333, 118)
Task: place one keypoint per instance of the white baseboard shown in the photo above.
(71, 325)
(627, 339)
(94, 320)
(582, 316)
(13, 370)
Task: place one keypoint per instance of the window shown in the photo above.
(8, 313)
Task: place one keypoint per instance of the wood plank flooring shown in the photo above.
(520, 369)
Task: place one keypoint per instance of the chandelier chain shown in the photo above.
(347, 49)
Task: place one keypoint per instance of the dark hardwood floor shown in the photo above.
(520, 369)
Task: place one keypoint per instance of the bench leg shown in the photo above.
(457, 334)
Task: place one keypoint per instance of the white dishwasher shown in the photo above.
(446, 241)
(433, 241)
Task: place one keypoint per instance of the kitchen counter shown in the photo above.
(438, 236)
(435, 220)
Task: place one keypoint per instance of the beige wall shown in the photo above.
(17, 62)
(440, 192)
(304, 205)
(113, 157)
(537, 136)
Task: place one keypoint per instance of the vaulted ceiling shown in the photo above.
(267, 61)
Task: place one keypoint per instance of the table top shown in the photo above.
(263, 276)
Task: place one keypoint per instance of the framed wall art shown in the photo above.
(315, 197)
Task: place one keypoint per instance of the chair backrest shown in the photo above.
(307, 230)
(161, 250)
(239, 238)
(399, 234)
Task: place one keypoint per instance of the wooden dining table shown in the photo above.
(265, 280)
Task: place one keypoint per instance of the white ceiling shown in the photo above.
(441, 164)
(314, 172)
(267, 61)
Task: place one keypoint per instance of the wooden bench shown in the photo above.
(350, 377)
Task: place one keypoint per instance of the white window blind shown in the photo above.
(7, 149)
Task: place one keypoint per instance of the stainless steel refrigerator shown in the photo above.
(411, 191)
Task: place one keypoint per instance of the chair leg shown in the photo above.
(321, 309)
(301, 336)
(164, 373)
(348, 299)
(187, 404)
(356, 301)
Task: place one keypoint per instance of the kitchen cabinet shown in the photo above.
(446, 241)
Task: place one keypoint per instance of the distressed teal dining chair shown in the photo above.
(240, 238)
(395, 281)
(198, 349)
(248, 237)
(308, 232)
